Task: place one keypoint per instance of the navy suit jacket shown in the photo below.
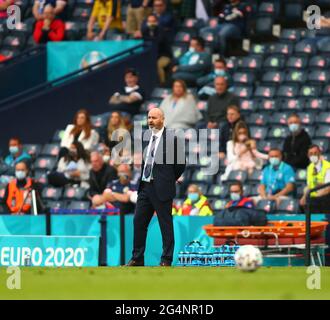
(169, 164)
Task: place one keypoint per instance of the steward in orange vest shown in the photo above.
(17, 193)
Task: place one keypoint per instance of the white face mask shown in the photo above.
(20, 174)
(106, 158)
(314, 159)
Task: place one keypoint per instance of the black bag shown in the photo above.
(240, 216)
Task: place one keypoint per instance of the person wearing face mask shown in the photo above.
(242, 153)
(195, 63)
(17, 198)
(237, 198)
(278, 179)
(101, 174)
(151, 31)
(206, 83)
(318, 173)
(120, 193)
(296, 145)
(73, 168)
(16, 153)
(196, 204)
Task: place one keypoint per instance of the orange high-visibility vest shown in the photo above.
(16, 197)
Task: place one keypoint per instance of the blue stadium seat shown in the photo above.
(237, 175)
(50, 149)
(160, 93)
(150, 104)
(316, 104)
(265, 145)
(255, 177)
(183, 36)
(285, 49)
(287, 91)
(218, 191)
(267, 105)
(266, 205)
(79, 205)
(258, 133)
(309, 91)
(264, 25)
(41, 176)
(244, 92)
(266, 92)
(248, 106)
(291, 105)
(326, 91)
(272, 77)
(259, 49)
(319, 62)
(276, 62)
(56, 204)
(322, 131)
(301, 175)
(278, 132)
(244, 78)
(279, 118)
(257, 119)
(218, 204)
(51, 193)
(74, 193)
(318, 77)
(33, 149)
(288, 206)
(250, 63)
(310, 130)
(199, 177)
(307, 118)
(296, 62)
(47, 163)
(290, 35)
(305, 47)
(179, 49)
(296, 76)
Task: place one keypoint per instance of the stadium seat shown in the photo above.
(264, 25)
(278, 132)
(272, 77)
(244, 92)
(326, 91)
(285, 49)
(150, 104)
(290, 35)
(247, 106)
(194, 24)
(307, 118)
(233, 63)
(316, 104)
(309, 91)
(318, 77)
(160, 93)
(259, 49)
(74, 193)
(250, 63)
(218, 191)
(179, 49)
(296, 62)
(265, 145)
(300, 187)
(266, 205)
(255, 177)
(274, 62)
(323, 45)
(291, 105)
(310, 130)
(244, 78)
(293, 10)
(237, 175)
(296, 76)
(266, 92)
(267, 105)
(257, 119)
(50, 149)
(81, 13)
(100, 121)
(319, 62)
(278, 118)
(47, 163)
(56, 204)
(322, 131)
(41, 176)
(79, 205)
(16, 41)
(305, 47)
(199, 177)
(218, 204)
(258, 133)
(57, 137)
(323, 144)
(33, 149)
(183, 36)
(288, 206)
(287, 91)
(254, 190)
(51, 193)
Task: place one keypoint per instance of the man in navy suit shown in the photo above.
(163, 165)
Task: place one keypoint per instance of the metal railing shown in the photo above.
(308, 221)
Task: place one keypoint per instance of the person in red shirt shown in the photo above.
(49, 29)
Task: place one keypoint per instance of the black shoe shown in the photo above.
(165, 264)
(134, 263)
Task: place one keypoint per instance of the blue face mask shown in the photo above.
(274, 162)
(13, 150)
(194, 196)
(234, 196)
(192, 50)
(20, 175)
(220, 72)
(294, 127)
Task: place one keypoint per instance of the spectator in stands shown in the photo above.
(72, 169)
(152, 31)
(196, 204)
(16, 153)
(18, 199)
(237, 198)
(318, 173)
(39, 6)
(81, 130)
(231, 24)
(180, 108)
(219, 70)
(107, 13)
(101, 174)
(130, 98)
(115, 130)
(242, 153)
(296, 145)
(136, 12)
(49, 28)
(217, 104)
(165, 18)
(4, 4)
(278, 179)
(195, 63)
(226, 131)
(121, 193)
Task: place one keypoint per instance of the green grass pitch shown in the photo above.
(164, 283)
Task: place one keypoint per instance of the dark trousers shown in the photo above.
(146, 205)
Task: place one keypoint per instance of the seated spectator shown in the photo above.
(218, 103)
(152, 31)
(278, 179)
(115, 130)
(81, 130)
(180, 108)
(49, 28)
(196, 204)
(121, 193)
(242, 153)
(296, 145)
(226, 131)
(16, 153)
(4, 4)
(72, 169)
(130, 98)
(318, 173)
(137, 10)
(39, 6)
(237, 198)
(101, 174)
(219, 70)
(231, 24)
(18, 196)
(165, 18)
(195, 63)
(107, 13)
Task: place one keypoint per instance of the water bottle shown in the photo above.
(27, 261)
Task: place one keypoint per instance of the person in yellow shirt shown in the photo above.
(196, 204)
(318, 173)
(107, 13)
